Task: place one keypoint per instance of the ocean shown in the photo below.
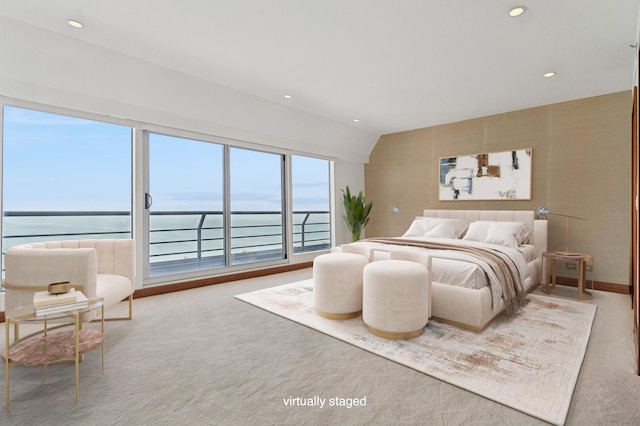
(173, 235)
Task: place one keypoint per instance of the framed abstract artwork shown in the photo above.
(487, 176)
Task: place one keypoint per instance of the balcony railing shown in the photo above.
(179, 240)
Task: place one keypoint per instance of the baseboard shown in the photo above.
(597, 285)
(203, 282)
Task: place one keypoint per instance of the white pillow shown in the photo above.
(447, 228)
(477, 231)
(509, 234)
(416, 229)
(524, 234)
(436, 227)
(520, 229)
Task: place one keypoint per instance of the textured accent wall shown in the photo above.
(581, 166)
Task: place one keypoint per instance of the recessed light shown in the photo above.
(75, 24)
(549, 74)
(517, 11)
(356, 120)
(288, 96)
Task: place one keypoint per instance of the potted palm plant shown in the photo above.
(356, 212)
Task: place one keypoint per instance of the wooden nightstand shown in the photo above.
(550, 258)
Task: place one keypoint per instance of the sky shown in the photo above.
(53, 162)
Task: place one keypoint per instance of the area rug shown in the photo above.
(529, 361)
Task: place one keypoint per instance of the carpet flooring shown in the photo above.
(202, 357)
(529, 361)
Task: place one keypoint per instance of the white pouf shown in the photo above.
(337, 285)
(395, 302)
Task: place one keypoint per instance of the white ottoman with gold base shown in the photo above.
(395, 302)
(337, 285)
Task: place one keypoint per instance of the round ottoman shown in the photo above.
(395, 302)
(337, 285)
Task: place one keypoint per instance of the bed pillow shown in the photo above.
(509, 234)
(436, 228)
(477, 231)
(416, 229)
(447, 228)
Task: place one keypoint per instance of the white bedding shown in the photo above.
(461, 269)
(528, 252)
(474, 300)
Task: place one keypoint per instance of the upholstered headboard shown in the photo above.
(538, 228)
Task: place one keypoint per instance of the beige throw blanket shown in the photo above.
(513, 292)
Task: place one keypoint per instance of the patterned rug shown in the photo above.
(529, 361)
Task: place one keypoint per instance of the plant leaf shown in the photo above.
(356, 212)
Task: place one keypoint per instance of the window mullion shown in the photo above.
(226, 222)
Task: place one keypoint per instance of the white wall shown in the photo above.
(345, 173)
(53, 69)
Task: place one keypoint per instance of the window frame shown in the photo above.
(140, 182)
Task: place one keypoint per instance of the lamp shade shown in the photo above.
(543, 211)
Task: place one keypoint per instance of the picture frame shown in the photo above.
(502, 175)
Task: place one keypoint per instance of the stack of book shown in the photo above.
(46, 303)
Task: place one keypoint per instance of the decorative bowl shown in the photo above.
(59, 288)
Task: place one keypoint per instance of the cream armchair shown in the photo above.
(101, 268)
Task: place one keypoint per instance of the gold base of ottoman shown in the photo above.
(396, 335)
(333, 316)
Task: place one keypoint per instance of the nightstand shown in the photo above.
(550, 259)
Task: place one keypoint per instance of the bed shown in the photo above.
(483, 261)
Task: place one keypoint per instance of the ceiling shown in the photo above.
(392, 65)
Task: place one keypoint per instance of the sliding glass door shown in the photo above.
(185, 205)
(210, 207)
(188, 208)
(311, 206)
(256, 206)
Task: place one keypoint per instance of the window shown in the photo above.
(186, 230)
(311, 207)
(257, 219)
(211, 205)
(64, 178)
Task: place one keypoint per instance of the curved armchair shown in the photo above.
(103, 268)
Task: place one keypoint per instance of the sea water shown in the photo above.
(173, 236)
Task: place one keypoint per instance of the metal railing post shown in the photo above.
(203, 216)
(302, 229)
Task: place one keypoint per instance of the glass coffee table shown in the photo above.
(51, 345)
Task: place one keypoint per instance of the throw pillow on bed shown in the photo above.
(415, 230)
(436, 228)
(509, 234)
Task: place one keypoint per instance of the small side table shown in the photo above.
(52, 348)
(551, 258)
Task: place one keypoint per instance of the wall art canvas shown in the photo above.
(486, 176)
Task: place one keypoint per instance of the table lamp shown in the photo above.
(544, 212)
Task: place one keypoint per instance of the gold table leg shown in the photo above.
(77, 338)
(7, 326)
(582, 293)
(549, 275)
